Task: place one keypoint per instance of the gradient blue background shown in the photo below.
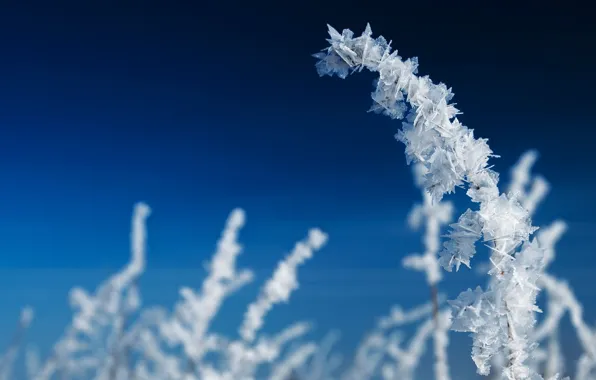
(200, 107)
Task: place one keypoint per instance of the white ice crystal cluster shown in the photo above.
(453, 157)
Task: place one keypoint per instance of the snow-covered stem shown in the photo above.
(519, 189)
(281, 285)
(81, 351)
(373, 348)
(284, 369)
(407, 359)
(585, 367)
(547, 238)
(440, 343)
(323, 364)
(555, 363)
(434, 215)
(243, 358)
(454, 158)
(369, 356)
(560, 292)
(382, 342)
(521, 177)
(399, 317)
(244, 355)
(8, 358)
(193, 314)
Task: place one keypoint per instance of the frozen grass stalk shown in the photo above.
(500, 318)
(8, 358)
(434, 215)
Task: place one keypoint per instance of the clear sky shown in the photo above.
(200, 107)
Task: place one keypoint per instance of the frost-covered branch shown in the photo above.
(281, 285)
(406, 360)
(434, 215)
(8, 358)
(382, 343)
(560, 292)
(434, 137)
(323, 364)
(244, 355)
(520, 179)
(189, 325)
(519, 189)
(242, 358)
(368, 358)
(91, 344)
(284, 369)
(399, 317)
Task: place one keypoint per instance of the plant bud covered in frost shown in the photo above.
(453, 157)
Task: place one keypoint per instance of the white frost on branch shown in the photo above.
(520, 179)
(434, 137)
(440, 344)
(406, 359)
(281, 285)
(399, 317)
(92, 346)
(323, 364)
(434, 215)
(369, 356)
(284, 369)
(381, 351)
(8, 358)
(560, 294)
(189, 325)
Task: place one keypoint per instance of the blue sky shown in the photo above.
(200, 109)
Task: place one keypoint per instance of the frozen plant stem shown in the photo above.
(8, 358)
(83, 348)
(434, 215)
(501, 317)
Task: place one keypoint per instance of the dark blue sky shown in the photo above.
(200, 107)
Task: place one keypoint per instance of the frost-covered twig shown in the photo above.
(8, 358)
(281, 285)
(399, 317)
(242, 359)
(243, 355)
(189, 325)
(90, 344)
(434, 215)
(323, 364)
(284, 369)
(521, 178)
(188, 328)
(560, 292)
(406, 360)
(368, 358)
(453, 157)
(381, 343)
